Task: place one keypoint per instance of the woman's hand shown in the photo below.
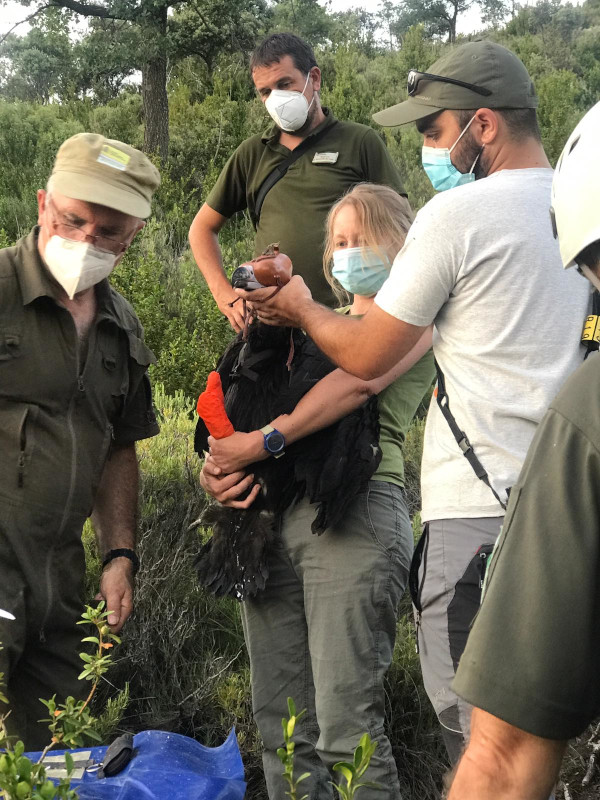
(227, 488)
(235, 452)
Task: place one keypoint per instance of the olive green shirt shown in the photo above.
(397, 405)
(59, 412)
(295, 209)
(533, 655)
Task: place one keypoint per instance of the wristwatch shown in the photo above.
(274, 441)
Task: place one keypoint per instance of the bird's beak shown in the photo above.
(6, 614)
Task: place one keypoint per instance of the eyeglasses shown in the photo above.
(415, 77)
(76, 233)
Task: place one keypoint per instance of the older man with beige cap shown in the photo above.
(74, 399)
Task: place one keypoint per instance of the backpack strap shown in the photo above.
(460, 436)
(277, 174)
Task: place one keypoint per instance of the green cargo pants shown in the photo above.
(42, 567)
(322, 632)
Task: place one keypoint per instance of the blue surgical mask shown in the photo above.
(360, 270)
(439, 167)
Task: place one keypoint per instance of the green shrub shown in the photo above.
(183, 325)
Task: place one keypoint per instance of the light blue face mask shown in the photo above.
(360, 270)
(439, 167)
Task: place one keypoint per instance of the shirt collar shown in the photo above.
(35, 281)
(272, 133)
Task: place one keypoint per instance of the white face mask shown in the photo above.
(77, 265)
(289, 109)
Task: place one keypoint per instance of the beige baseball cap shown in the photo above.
(110, 173)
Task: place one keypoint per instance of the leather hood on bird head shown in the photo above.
(271, 268)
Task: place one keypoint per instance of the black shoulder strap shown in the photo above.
(460, 436)
(281, 168)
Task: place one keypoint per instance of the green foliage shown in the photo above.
(352, 772)
(108, 721)
(286, 753)
(183, 326)
(30, 137)
(306, 18)
(69, 724)
(20, 779)
(350, 97)
(559, 110)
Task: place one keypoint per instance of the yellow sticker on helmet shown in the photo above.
(591, 329)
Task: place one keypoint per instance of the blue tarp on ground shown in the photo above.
(166, 766)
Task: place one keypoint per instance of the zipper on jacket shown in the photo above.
(80, 389)
(22, 451)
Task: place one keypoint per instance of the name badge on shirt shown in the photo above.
(325, 158)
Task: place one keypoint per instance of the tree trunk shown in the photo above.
(154, 91)
(452, 29)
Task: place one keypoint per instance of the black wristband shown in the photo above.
(122, 552)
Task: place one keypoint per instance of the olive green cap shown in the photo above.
(484, 64)
(94, 169)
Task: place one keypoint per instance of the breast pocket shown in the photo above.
(112, 374)
(17, 442)
(10, 345)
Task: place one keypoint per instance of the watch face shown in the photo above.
(275, 442)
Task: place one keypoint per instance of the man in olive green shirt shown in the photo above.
(531, 666)
(342, 154)
(74, 399)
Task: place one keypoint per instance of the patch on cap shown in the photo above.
(114, 158)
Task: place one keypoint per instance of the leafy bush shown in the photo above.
(183, 325)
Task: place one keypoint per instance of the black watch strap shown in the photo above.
(122, 552)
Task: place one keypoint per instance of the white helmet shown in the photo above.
(575, 207)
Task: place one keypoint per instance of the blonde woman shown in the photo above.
(323, 629)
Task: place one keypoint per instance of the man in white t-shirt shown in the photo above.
(482, 265)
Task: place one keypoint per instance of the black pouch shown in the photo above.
(466, 601)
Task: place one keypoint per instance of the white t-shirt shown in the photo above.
(480, 261)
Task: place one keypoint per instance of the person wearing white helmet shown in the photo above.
(531, 666)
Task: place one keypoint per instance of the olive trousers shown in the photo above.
(322, 632)
(42, 568)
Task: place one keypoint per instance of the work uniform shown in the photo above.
(533, 656)
(295, 209)
(61, 409)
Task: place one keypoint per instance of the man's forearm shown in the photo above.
(204, 241)
(502, 762)
(366, 347)
(115, 507)
(207, 254)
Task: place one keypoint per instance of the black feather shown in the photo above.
(329, 466)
